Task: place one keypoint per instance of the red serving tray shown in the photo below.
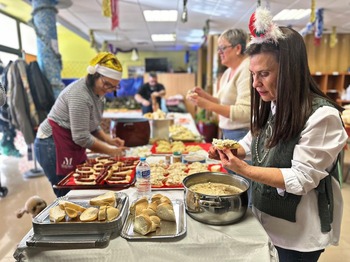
(205, 147)
(180, 186)
(69, 182)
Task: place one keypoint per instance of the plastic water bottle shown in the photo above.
(143, 178)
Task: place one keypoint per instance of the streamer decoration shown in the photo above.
(334, 39)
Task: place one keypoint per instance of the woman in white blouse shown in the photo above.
(296, 136)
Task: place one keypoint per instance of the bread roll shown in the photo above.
(215, 168)
(142, 224)
(107, 199)
(112, 213)
(56, 214)
(67, 204)
(148, 211)
(137, 206)
(72, 213)
(90, 214)
(155, 223)
(165, 211)
(102, 213)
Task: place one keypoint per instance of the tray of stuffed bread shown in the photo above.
(162, 147)
(156, 218)
(170, 176)
(102, 172)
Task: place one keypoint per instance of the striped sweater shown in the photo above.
(77, 108)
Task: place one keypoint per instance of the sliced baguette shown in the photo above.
(90, 214)
(56, 214)
(112, 213)
(107, 199)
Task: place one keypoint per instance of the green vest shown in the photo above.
(266, 198)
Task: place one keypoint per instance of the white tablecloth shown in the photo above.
(243, 241)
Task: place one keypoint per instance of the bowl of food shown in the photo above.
(216, 198)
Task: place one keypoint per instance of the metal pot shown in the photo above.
(135, 131)
(216, 210)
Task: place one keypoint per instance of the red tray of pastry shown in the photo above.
(165, 186)
(204, 146)
(102, 173)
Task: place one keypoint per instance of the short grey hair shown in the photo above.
(235, 37)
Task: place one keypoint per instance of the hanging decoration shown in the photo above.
(318, 26)
(315, 23)
(312, 15)
(106, 8)
(184, 15)
(115, 13)
(104, 46)
(310, 25)
(134, 52)
(334, 39)
(93, 42)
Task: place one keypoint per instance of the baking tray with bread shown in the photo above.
(94, 214)
(102, 172)
(155, 218)
(164, 147)
(169, 177)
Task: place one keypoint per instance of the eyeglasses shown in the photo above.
(108, 84)
(223, 48)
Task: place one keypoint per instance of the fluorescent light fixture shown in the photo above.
(292, 14)
(163, 37)
(160, 15)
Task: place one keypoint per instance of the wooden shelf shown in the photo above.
(331, 82)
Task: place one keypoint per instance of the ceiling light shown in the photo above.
(163, 37)
(292, 14)
(160, 15)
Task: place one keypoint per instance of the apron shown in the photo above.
(68, 153)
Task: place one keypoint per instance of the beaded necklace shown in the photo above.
(268, 133)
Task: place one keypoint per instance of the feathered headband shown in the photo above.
(262, 29)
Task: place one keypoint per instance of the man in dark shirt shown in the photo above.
(150, 94)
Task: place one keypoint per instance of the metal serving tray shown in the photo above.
(43, 226)
(69, 241)
(167, 229)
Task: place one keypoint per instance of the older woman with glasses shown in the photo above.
(73, 123)
(232, 103)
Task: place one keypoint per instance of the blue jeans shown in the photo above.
(286, 255)
(45, 153)
(237, 135)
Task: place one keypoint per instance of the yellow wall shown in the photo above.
(76, 51)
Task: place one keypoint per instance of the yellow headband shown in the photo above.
(106, 64)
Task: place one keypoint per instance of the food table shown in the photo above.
(245, 240)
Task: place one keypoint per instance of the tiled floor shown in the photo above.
(20, 189)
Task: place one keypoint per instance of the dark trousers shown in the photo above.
(286, 255)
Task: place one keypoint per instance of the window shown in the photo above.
(28, 39)
(7, 57)
(8, 31)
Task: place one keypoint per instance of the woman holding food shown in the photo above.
(294, 142)
(73, 123)
(232, 103)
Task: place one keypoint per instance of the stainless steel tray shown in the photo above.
(167, 229)
(43, 226)
(69, 241)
